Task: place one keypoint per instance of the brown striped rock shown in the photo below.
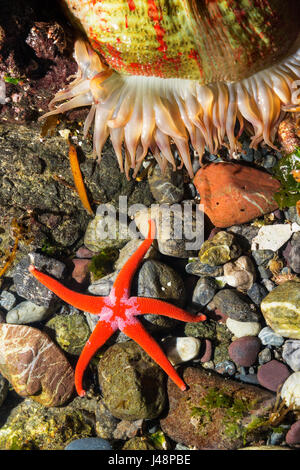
(233, 194)
(34, 365)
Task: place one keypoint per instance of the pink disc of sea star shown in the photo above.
(119, 310)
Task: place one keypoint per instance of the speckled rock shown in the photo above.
(272, 374)
(71, 332)
(240, 273)
(292, 437)
(106, 423)
(34, 366)
(294, 255)
(204, 291)
(7, 300)
(291, 354)
(139, 443)
(290, 391)
(167, 187)
(243, 328)
(257, 293)
(28, 312)
(281, 309)
(89, 443)
(270, 338)
(197, 268)
(31, 426)
(234, 194)
(3, 389)
(129, 249)
(213, 413)
(29, 287)
(219, 250)
(127, 396)
(234, 304)
(158, 280)
(244, 351)
(173, 233)
(105, 232)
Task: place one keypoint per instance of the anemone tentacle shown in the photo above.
(141, 113)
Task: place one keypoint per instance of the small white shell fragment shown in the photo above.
(180, 350)
(273, 237)
(290, 391)
(243, 328)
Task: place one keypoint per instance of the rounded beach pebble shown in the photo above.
(272, 374)
(244, 351)
(89, 443)
(293, 435)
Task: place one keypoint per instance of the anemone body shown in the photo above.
(158, 73)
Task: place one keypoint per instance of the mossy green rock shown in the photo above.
(138, 443)
(132, 383)
(219, 250)
(31, 426)
(214, 413)
(71, 332)
(281, 309)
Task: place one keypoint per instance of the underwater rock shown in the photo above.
(233, 194)
(71, 332)
(34, 366)
(219, 250)
(214, 413)
(281, 309)
(140, 393)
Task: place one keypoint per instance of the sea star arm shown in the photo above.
(102, 331)
(137, 332)
(158, 307)
(89, 303)
(124, 278)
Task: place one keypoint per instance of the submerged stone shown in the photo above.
(132, 384)
(214, 413)
(281, 309)
(219, 250)
(234, 194)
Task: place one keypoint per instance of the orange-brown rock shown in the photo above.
(233, 194)
(34, 365)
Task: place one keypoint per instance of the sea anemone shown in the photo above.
(157, 73)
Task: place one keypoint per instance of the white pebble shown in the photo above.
(243, 328)
(273, 237)
(290, 391)
(180, 350)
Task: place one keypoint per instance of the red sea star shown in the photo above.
(119, 311)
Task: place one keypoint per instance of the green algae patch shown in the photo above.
(289, 193)
(71, 332)
(102, 263)
(33, 427)
(234, 409)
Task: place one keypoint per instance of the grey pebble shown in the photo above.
(268, 337)
(232, 303)
(257, 293)
(264, 356)
(204, 291)
(7, 300)
(291, 354)
(29, 287)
